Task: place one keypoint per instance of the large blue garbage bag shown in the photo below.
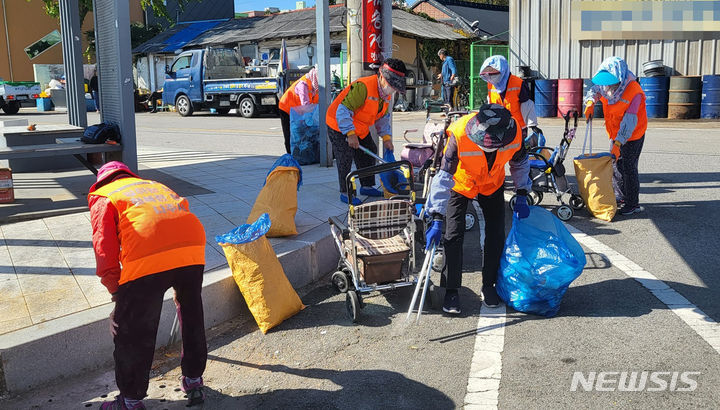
(540, 260)
(305, 134)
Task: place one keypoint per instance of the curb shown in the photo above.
(81, 342)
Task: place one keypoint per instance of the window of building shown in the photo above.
(40, 46)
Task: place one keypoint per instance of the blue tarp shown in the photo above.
(187, 34)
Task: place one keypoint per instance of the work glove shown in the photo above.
(615, 151)
(589, 109)
(434, 234)
(522, 210)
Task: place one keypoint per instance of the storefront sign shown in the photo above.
(372, 33)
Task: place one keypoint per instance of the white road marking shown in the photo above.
(483, 387)
(484, 381)
(699, 321)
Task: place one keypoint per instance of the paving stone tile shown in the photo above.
(55, 303)
(39, 283)
(13, 308)
(7, 326)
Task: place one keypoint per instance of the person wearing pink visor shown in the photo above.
(146, 241)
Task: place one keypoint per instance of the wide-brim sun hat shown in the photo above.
(604, 77)
(395, 78)
(111, 169)
(492, 127)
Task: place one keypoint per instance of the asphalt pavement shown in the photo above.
(613, 330)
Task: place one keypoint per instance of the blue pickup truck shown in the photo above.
(218, 78)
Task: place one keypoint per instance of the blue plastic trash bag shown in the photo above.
(540, 260)
(305, 134)
(393, 181)
(286, 160)
(246, 233)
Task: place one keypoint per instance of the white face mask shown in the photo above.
(387, 91)
(609, 90)
(491, 78)
(488, 149)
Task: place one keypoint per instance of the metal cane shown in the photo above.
(423, 280)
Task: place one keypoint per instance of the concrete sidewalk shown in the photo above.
(50, 296)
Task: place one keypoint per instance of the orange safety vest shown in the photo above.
(511, 100)
(290, 99)
(157, 231)
(614, 113)
(366, 115)
(472, 176)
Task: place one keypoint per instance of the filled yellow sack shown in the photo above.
(594, 174)
(259, 274)
(278, 197)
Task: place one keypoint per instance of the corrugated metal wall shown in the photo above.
(541, 37)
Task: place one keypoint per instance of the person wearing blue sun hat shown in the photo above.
(623, 101)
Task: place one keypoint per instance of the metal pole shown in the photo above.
(355, 45)
(7, 41)
(72, 60)
(322, 24)
(387, 47)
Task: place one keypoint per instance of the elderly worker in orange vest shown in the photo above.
(511, 92)
(304, 91)
(364, 103)
(625, 121)
(146, 241)
(473, 166)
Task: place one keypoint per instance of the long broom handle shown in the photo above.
(426, 263)
(426, 281)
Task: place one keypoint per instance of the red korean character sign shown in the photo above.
(372, 33)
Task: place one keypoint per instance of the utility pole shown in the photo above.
(355, 40)
(322, 27)
(72, 60)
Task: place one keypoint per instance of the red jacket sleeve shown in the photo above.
(106, 242)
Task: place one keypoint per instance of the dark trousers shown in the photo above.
(285, 124)
(344, 157)
(628, 181)
(137, 313)
(448, 92)
(493, 208)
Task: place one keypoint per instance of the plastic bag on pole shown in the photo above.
(540, 260)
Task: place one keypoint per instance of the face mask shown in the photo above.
(387, 91)
(609, 90)
(488, 149)
(492, 78)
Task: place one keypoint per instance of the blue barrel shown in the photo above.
(710, 105)
(656, 95)
(546, 94)
(598, 113)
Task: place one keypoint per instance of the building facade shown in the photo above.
(29, 36)
(570, 38)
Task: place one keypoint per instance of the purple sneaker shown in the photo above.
(119, 404)
(193, 391)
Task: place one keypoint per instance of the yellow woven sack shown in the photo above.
(260, 276)
(594, 174)
(279, 197)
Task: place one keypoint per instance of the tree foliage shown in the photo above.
(52, 7)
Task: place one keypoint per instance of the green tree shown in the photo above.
(52, 7)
